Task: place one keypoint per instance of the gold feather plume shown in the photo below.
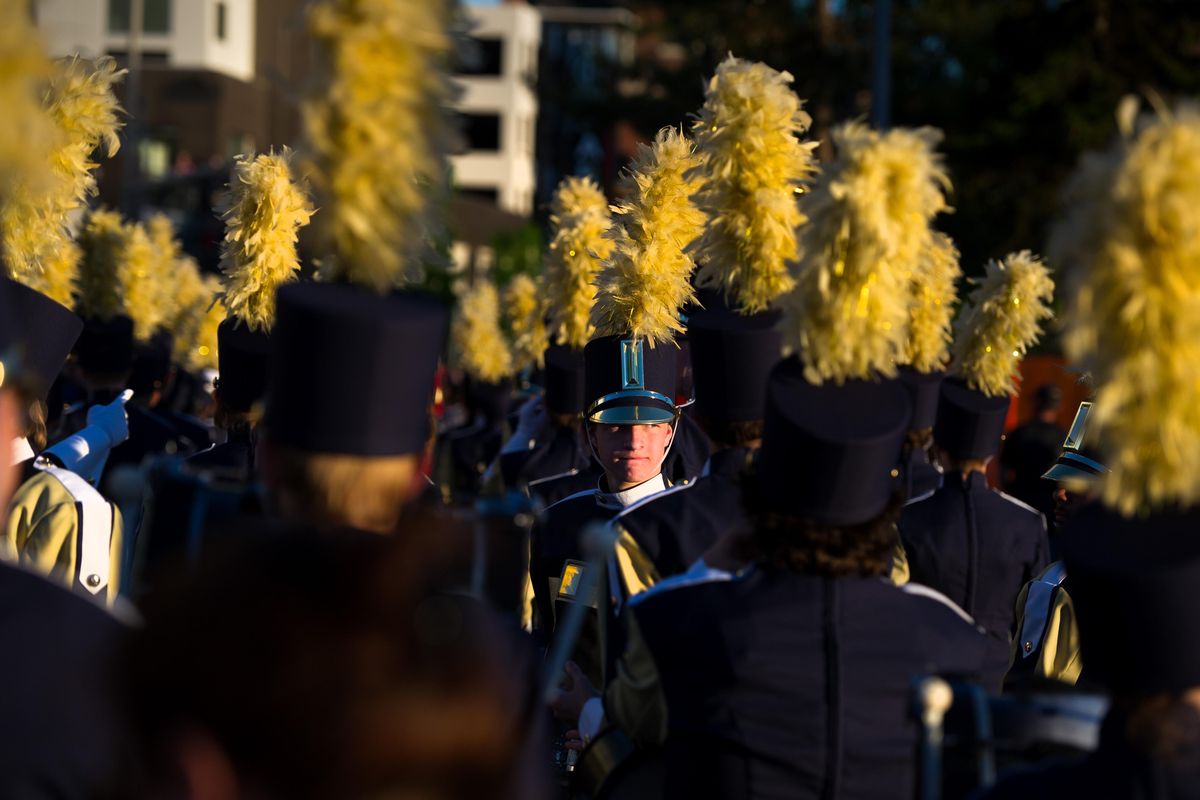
(144, 281)
(1130, 245)
(580, 221)
(27, 133)
(102, 239)
(931, 311)
(754, 166)
(1002, 319)
(476, 336)
(647, 278)
(868, 229)
(263, 211)
(81, 104)
(525, 309)
(198, 313)
(377, 131)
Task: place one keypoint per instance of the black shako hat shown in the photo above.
(352, 372)
(628, 382)
(1133, 586)
(969, 424)
(924, 391)
(828, 451)
(563, 380)
(732, 355)
(106, 346)
(46, 332)
(243, 360)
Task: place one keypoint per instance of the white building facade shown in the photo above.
(213, 35)
(499, 106)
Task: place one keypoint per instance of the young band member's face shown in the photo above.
(631, 454)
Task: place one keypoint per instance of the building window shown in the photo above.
(220, 22)
(487, 195)
(156, 16)
(482, 132)
(483, 57)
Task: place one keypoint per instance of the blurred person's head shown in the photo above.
(347, 419)
(1046, 401)
(309, 665)
(104, 356)
(969, 426)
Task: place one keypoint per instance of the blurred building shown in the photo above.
(498, 76)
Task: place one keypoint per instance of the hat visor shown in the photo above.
(1065, 473)
(632, 415)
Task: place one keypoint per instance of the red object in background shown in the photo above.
(439, 408)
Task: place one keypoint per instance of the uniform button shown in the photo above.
(895, 473)
(1029, 647)
(93, 581)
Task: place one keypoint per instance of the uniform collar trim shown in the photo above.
(631, 495)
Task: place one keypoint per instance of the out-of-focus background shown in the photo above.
(548, 89)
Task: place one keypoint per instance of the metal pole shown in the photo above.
(881, 73)
(131, 164)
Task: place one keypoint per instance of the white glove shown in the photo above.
(85, 453)
(112, 419)
(531, 419)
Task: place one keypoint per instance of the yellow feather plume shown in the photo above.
(264, 210)
(81, 105)
(1130, 243)
(101, 294)
(25, 128)
(143, 282)
(525, 309)
(931, 310)
(476, 335)
(754, 166)
(646, 280)
(1002, 319)
(580, 221)
(198, 313)
(377, 133)
(868, 230)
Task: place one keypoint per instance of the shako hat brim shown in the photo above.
(352, 372)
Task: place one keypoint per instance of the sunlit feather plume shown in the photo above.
(753, 167)
(580, 221)
(1130, 243)
(82, 107)
(647, 279)
(1002, 319)
(263, 212)
(377, 132)
(198, 313)
(476, 336)
(144, 282)
(525, 310)
(931, 312)
(868, 229)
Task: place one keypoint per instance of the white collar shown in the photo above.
(631, 495)
(22, 451)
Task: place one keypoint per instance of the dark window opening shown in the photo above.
(490, 195)
(220, 22)
(483, 57)
(150, 58)
(156, 16)
(482, 131)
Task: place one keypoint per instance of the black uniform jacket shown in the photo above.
(782, 685)
(975, 545)
(675, 527)
(60, 735)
